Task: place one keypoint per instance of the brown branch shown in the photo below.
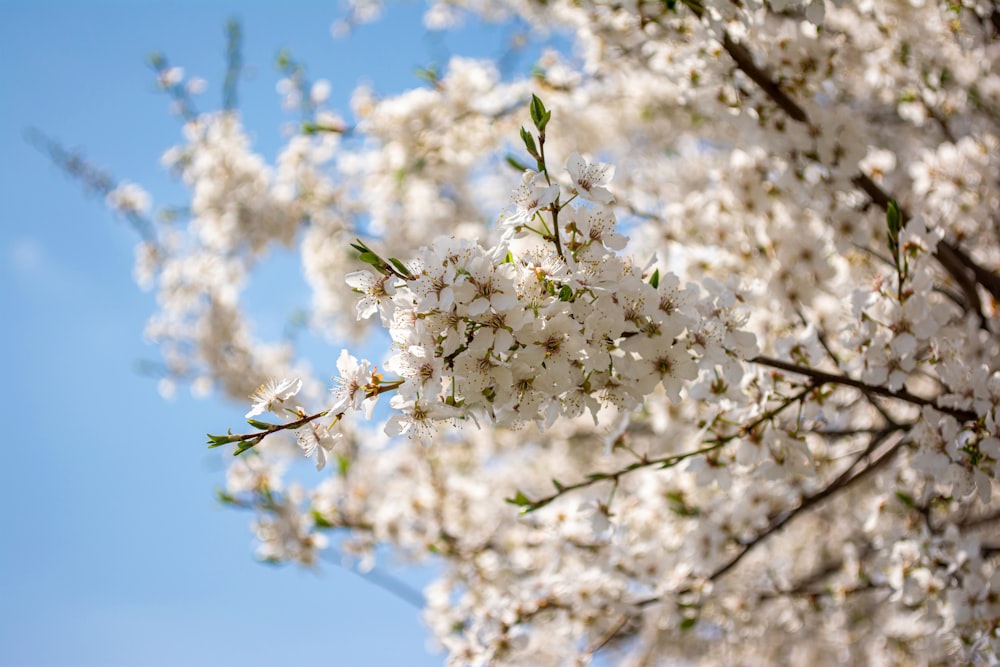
(822, 377)
(745, 62)
(843, 481)
(958, 264)
(527, 505)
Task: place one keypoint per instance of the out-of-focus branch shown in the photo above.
(234, 65)
(661, 462)
(94, 179)
(957, 263)
(823, 377)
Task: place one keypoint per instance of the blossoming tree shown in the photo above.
(692, 334)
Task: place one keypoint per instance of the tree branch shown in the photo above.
(669, 461)
(822, 377)
(844, 480)
(954, 261)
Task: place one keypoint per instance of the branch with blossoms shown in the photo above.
(847, 478)
(663, 462)
(959, 265)
(553, 330)
(271, 396)
(551, 322)
(822, 377)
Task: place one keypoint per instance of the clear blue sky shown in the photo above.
(113, 550)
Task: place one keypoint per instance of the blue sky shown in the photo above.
(113, 550)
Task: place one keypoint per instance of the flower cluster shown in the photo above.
(792, 361)
(534, 331)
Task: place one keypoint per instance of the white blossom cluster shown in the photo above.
(545, 331)
(734, 400)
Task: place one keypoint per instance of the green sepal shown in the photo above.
(905, 498)
(565, 293)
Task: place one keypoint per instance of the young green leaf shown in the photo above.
(539, 116)
(520, 500)
(513, 162)
(529, 144)
(405, 272)
(219, 440)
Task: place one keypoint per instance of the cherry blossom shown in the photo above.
(717, 417)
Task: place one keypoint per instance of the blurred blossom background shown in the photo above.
(114, 550)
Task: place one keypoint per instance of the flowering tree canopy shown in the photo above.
(691, 334)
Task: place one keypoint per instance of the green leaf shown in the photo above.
(565, 293)
(343, 465)
(688, 623)
(401, 267)
(245, 445)
(224, 497)
(893, 221)
(539, 116)
(284, 59)
(892, 217)
(320, 521)
(263, 426)
(529, 144)
(520, 500)
(905, 498)
(654, 279)
(431, 74)
(559, 487)
(512, 161)
(219, 440)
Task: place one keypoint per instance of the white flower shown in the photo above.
(589, 178)
(529, 198)
(375, 292)
(129, 198)
(315, 438)
(350, 389)
(271, 392)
